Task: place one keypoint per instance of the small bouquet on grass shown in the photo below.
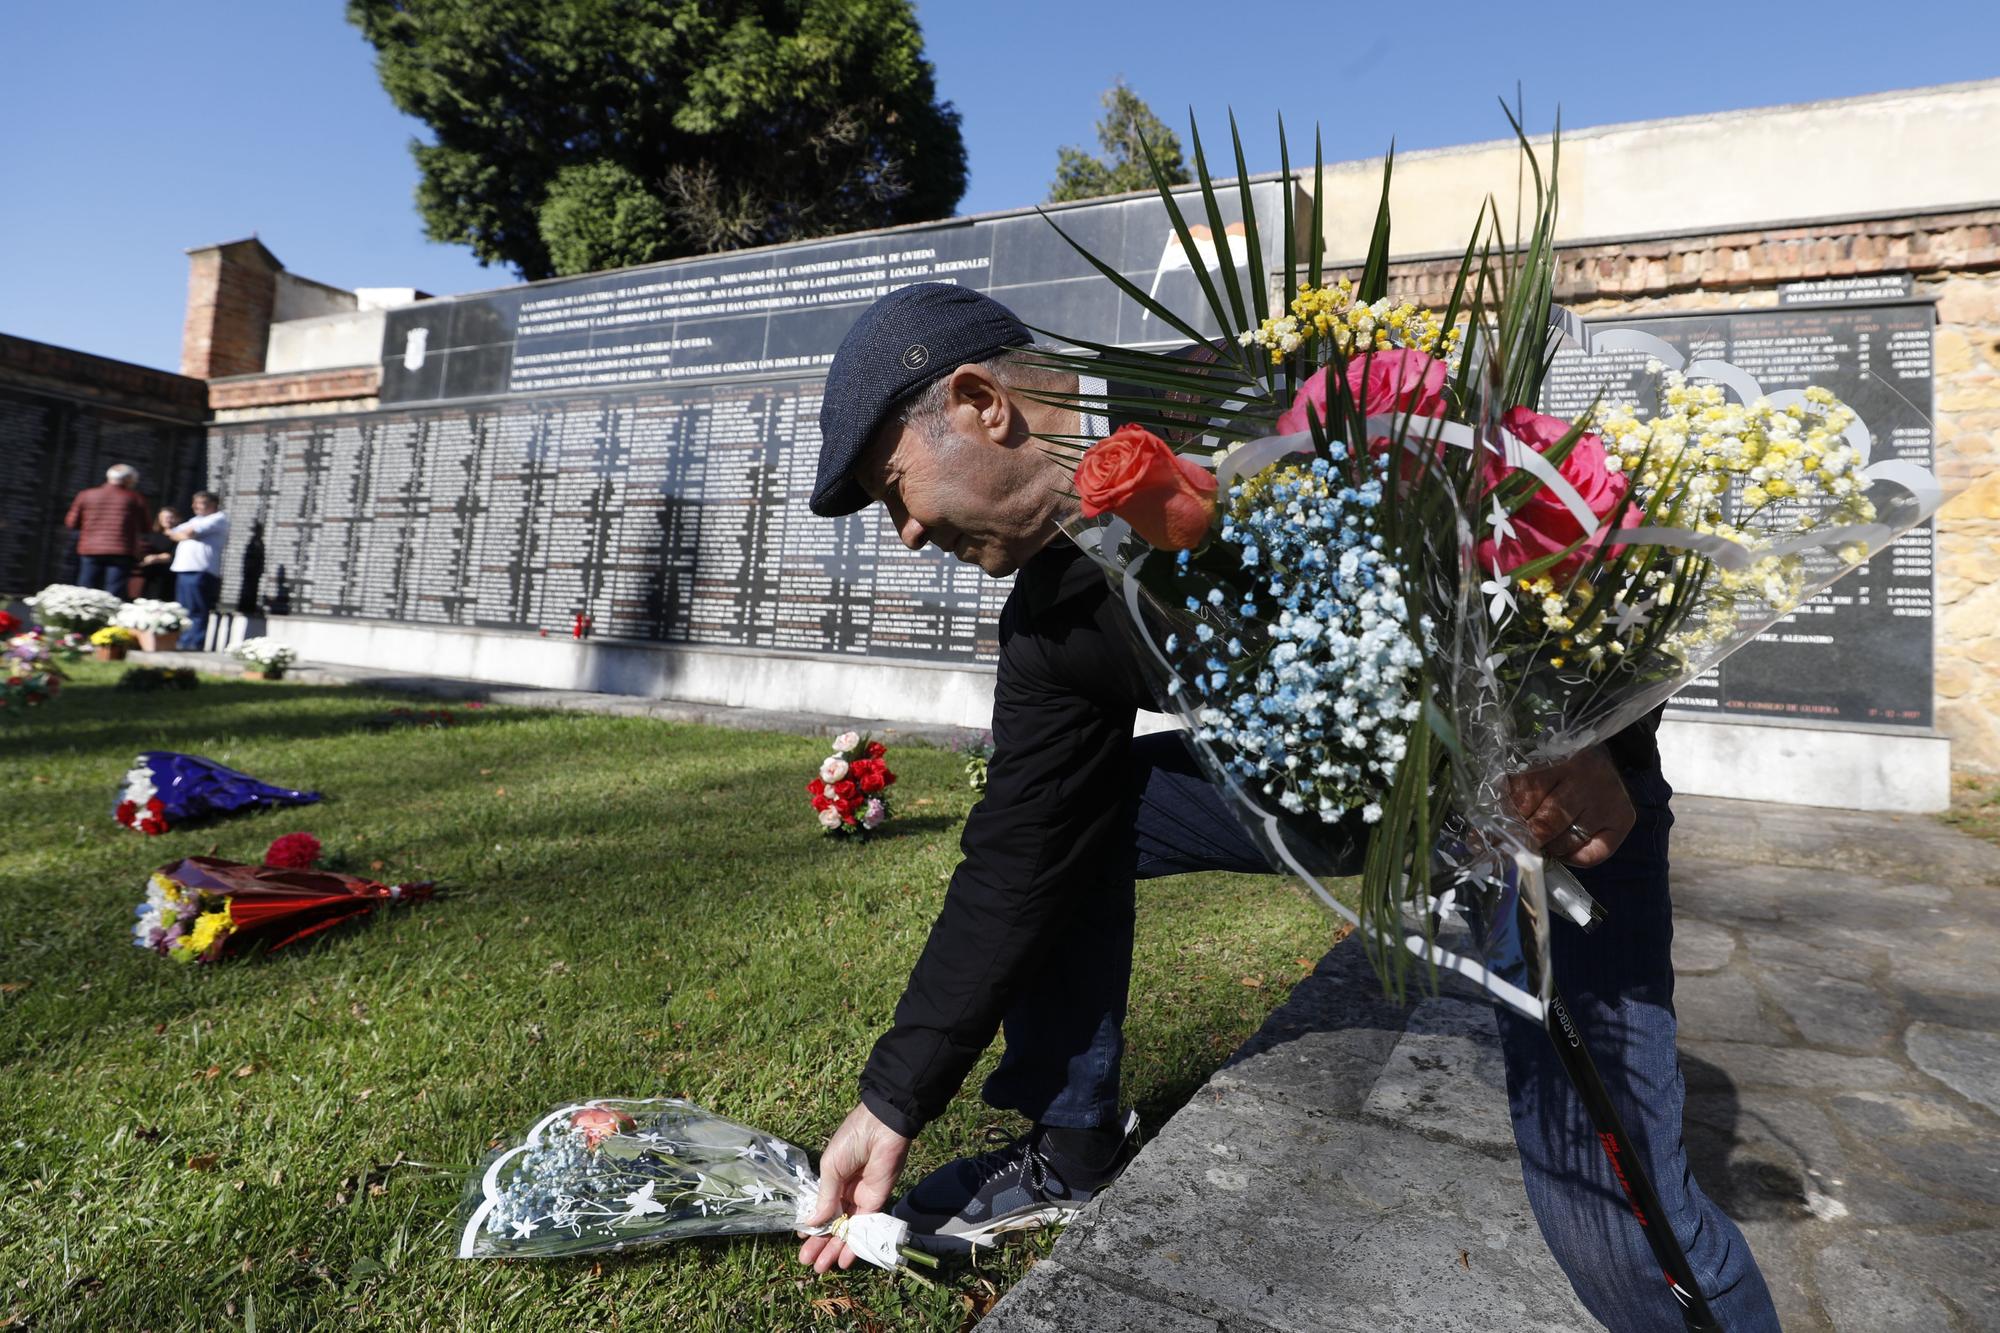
(978, 752)
(202, 909)
(146, 679)
(29, 675)
(164, 790)
(267, 656)
(851, 793)
(146, 615)
(67, 606)
(614, 1174)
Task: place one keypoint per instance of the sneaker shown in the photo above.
(1022, 1183)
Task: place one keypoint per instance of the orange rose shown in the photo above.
(598, 1123)
(1168, 500)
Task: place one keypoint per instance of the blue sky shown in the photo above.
(131, 130)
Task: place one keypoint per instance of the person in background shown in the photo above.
(110, 522)
(156, 557)
(198, 565)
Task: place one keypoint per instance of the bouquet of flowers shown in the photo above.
(150, 616)
(851, 793)
(201, 910)
(67, 606)
(144, 679)
(1375, 582)
(978, 752)
(616, 1173)
(265, 654)
(29, 675)
(164, 790)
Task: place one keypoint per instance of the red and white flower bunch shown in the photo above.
(139, 805)
(851, 792)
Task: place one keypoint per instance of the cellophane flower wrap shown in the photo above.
(165, 789)
(620, 1173)
(203, 909)
(1409, 585)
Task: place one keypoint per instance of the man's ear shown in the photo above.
(979, 404)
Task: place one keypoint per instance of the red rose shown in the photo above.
(875, 750)
(8, 623)
(293, 851)
(1545, 525)
(820, 803)
(888, 778)
(1168, 500)
(844, 789)
(1396, 380)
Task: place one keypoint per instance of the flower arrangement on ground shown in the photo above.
(29, 676)
(164, 790)
(112, 642)
(267, 656)
(146, 679)
(978, 752)
(67, 606)
(293, 851)
(202, 909)
(851, 792)
(614, 1174)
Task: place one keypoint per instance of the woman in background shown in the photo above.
(155, 574)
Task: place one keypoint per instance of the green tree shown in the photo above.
(570, 135)
(1127, 119)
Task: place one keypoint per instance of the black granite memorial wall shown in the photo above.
(637, 447)
(1862, 650)
(65, 417)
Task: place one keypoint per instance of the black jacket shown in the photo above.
(1053, 825)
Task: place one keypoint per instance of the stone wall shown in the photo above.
(1954, 258)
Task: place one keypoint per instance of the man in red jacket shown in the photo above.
(110, 521)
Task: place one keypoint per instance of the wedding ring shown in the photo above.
(1579, 832)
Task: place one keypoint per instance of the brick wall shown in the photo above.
(232, 289)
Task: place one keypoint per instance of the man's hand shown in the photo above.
(857, 1174)
(1576, 811)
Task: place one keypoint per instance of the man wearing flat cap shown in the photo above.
(931, 410)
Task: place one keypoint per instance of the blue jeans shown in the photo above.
(1064, 1042)
(199, 593)
(106, 573)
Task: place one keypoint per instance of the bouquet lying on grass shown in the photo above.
(1375, 581)
(201, 910)
(851, 793)
(164, 790)
(29, 675)
(614, 1173)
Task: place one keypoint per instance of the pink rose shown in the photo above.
(1545, 525)
(1168, 500)
(1396, 380)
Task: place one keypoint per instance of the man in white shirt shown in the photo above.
(197, 565)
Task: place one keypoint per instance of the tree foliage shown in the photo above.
(1126, 121)
(570, 135)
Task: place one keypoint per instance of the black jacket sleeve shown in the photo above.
(1052, 823)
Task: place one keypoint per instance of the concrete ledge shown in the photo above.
(1850, 766)
(770, 680)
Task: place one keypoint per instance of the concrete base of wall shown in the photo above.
(1793, 763)
(731, 677)
(1850, 767)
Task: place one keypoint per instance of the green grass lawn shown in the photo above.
(627, 907)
